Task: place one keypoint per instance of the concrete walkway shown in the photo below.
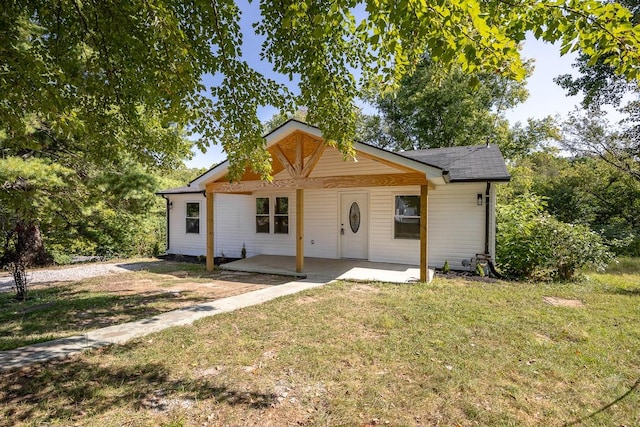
(318, 272)
(120, 334)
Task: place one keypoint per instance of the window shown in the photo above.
(193, 217)
(279, 216)
(262, 215)
(407, 217)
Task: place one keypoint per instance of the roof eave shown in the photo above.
(434, 174)
(489, 179)
(169, 193)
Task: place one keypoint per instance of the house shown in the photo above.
(421, 207)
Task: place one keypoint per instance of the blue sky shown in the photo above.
(545, 97)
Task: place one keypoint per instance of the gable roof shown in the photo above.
(432, 172)
(465, 164)
(440, 165)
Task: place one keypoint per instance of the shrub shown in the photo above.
(533, 244)
(446, 268)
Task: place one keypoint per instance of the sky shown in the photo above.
(545, 97)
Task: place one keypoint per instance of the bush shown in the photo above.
(60, 258)
(533, 244)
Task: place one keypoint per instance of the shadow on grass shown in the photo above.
(578, 421)
(624, 291)
(58, 312)
(71, 390)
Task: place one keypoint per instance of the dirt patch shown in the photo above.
(209, 372)
(365, 288)
(561, 302)
(306, 300)
(178, 285)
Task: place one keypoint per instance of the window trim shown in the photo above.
(272, 215)
(186, 218)
(394, 216)
(279, 215)
(267, 215)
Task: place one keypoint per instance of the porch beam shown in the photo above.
(210, 236)
(424, 237)
(313, 159)
(291, 169)
(350, 181)
(299, 230)
(298, 165)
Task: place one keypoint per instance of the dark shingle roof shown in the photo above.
(465, 164)
(181, 190)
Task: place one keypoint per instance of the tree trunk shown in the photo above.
(24, 248)
(29, 244)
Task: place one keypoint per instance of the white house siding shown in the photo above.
(181, 242)
(235, 225)
(234, 221)
(321, 233)
(272, 244)
(456, 224)
(383, 247)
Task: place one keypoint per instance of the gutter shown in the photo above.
(486, 217)
(168, 218)
(492, 267)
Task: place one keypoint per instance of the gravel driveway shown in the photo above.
(84, 271)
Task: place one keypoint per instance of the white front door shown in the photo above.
(354, 225)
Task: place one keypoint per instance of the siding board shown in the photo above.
(456, 225)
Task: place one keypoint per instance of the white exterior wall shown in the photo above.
(181, 242)
(321, 223)
(383, 247)
(233, 221)
(456, 224)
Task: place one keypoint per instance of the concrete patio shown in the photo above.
(325, 270)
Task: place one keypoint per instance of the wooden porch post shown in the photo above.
(299, 230)
(424, 238)
(210, 251)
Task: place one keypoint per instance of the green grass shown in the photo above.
(625, 265)
(65, 309)
(448, 353)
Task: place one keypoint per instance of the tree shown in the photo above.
(281, 117)
(101, 68)
(590, 133)
(108, 89)
(582, 190)
(598, 80)
(435, 107)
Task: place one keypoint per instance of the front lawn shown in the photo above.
(452, 353)
(62, 309)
